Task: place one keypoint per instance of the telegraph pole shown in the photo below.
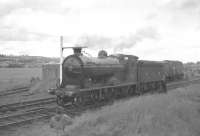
(61, 57)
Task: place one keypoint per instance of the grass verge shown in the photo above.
(176, 113)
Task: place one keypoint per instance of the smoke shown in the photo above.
(118, 43)
(134, 39)
(95, 41)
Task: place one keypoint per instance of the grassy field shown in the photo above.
(176, 113)
(16, 77)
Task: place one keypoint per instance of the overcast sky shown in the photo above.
(150, 29)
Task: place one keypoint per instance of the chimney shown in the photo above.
(77, 50)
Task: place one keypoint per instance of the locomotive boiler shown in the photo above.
(81, 71)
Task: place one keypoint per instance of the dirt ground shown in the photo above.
(176, 113)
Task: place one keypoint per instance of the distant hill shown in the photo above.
(25, 61)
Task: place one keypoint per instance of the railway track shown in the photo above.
(38, 110)
(14, 91)
(26, 104)
(42, 113)
(19, 118)
(18, 113)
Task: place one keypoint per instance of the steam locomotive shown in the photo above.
(107, 77)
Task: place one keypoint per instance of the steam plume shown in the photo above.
(119, 43)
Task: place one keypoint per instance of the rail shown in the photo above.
(26, 104)
(14, 91)
(20, 118)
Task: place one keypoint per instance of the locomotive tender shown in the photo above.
(174, 70)
(104, 78)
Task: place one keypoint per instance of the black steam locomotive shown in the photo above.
(104, 78)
